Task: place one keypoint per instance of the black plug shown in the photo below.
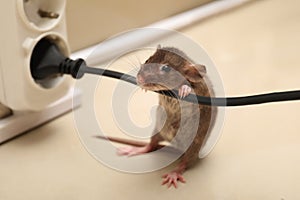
(47, 61)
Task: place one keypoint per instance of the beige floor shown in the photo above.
(256, 49)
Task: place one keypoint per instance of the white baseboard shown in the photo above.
(111, 48)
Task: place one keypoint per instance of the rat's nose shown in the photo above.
(140, 79)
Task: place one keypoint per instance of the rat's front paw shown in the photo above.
(184, 90)
(172, 178)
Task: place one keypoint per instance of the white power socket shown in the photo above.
(23, 24)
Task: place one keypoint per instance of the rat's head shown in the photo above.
(168, 68)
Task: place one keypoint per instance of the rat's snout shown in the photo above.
(140, 80)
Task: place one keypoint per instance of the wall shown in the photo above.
(91, 21)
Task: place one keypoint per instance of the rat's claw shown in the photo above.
(172, 178)
(184, 91)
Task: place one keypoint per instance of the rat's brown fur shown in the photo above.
(183, 126)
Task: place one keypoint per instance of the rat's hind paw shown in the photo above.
(184, 90)
(172, 178)
(132, 151)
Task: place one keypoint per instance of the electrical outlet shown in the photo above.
(23, 24)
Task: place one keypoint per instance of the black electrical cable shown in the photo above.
(217, 101)
(48, 61)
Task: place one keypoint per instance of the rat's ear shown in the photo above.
(194, 73)
(159, 46)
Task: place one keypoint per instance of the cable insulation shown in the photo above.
(213, 101)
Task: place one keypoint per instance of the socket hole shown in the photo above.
(47, 14)
(43, 14)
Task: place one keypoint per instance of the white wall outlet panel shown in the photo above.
(23, 24)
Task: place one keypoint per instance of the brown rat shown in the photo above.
(184, 124)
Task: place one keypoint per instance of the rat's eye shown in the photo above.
(165, 68)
